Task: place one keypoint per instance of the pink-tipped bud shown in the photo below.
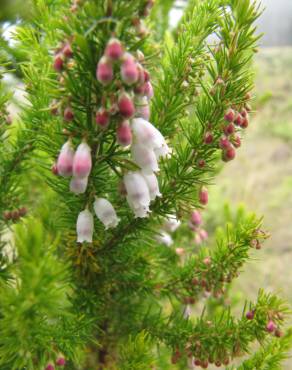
(82, 161)
(148, 90)
(126, 106)
(102, 118)
(114, 49)
(146, 76)
(203, 234)
(228, 154)
(124, 134)
(61, 361)
(196, 218)
(50, 367)
(244, 113)
(58, 63)
(22, 211)
(54, 169)
(250, 315)
(203, 196)
(229, 129)
(68, 114)
(238, 120)
(244, 122)
(67, 50)
(141, 75)
(229, 115)
(129, 70)
(208, 138)
(65, 160)
(236, 141)
(104, 71)
(224, 143)
(201, 163)
(271, 326)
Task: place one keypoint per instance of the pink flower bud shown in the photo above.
(229, 129)
(244, 122)
(126, 106)
(141, 75)
(82, 161)
(224, 143)
(244, 113)
(238, 119)
(129, 70)
(208, 137)
(114, 49)
(104, 71)
(102, 118)
(65, 160)
(148, 90)
(236, 141)
(229, 115)
(228, 154)
(250, 315)
(271, 326)
(54, 169)
(197, 239)
(67, 50)
(196, 218)
(203, 196)
(68, 114)
(203, 234)
(143, 109)
(124, 133)
(50, 367)
(146, 76)
(61, 361)
(58, 63)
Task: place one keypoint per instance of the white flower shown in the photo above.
(146, 134)
(153, 185)
(84, 227)
(164, 238)
(105, 213)
(171, 223)
(78, 185)
(138, 195)
(145, 158)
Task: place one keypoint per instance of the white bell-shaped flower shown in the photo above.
(164, 238)
(153, 185)
(138, 195)
(145, 158)
(82, 161)
(84, 227)
(78, 185)
(106, 213)
(65, 160)
(146, 134)
(171, 223)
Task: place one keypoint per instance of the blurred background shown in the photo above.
(260, 179)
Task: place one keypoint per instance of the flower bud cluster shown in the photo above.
(60, 362)
(15, 214)
(230, 140)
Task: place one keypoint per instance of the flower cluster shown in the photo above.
(125, 107)
(130, 111)
(76, 164)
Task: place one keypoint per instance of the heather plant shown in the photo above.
(105, 261)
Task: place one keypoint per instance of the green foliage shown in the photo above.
(111, 303)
